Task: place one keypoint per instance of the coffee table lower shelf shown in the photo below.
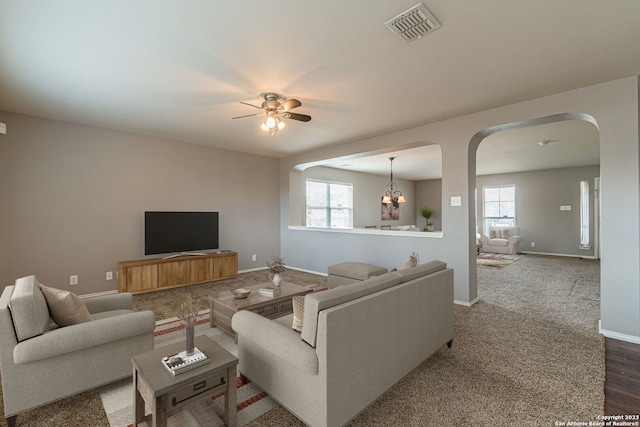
(225, 305)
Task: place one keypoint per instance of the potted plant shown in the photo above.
(427, 213)
(276, 267)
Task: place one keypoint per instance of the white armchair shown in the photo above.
(502, 240)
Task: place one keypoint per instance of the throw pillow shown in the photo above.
(66, 308)
(298, 312)
(494, 234)
(506, 233)
(406, 265)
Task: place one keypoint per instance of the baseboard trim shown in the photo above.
(288, 267)
(98, 294)
(564, 255)
(617, 335)
(465, 303)
(308, 271)
(249, 270)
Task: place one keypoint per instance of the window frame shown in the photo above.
(502, 220)
(585, 219)
(329, 210)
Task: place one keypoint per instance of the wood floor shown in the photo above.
(622, 378)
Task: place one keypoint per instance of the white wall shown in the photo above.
(613, 105)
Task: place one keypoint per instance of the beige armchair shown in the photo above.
(501, 240)
(42, 362)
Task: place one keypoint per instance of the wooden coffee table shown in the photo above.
(224, 305)
(166, 394)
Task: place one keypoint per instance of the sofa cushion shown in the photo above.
(298, 312)
(356, 270)
(29, 310)
(318, 301)
(421, 270)
(66, 307)
(498, 242)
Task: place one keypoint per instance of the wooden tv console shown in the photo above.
(148, 275)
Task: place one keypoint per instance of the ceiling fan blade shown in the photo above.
(289, 104)
(248, 115)
(250, 105)
(295, 116)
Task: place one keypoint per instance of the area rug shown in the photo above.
(487, 259)
(117, 398)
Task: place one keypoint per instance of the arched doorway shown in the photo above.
(541, 144)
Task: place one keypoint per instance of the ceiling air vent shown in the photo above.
(413, 24)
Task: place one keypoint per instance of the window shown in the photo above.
(329, 204)
(584, 215)
(499, 206)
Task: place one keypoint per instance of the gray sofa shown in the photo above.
(42, 363)
(357, 341)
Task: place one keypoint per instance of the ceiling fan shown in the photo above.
(274, 106)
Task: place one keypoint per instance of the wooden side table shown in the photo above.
(166, 394)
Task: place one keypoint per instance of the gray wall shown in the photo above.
(611, 106)
(539, 195)
(429, 194)
(73, 197)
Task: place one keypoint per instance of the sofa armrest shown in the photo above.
(513, 243)
(275, 338)
(99, 304)
(484, 240)
(83, 336)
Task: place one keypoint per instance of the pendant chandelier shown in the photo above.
(392, 195)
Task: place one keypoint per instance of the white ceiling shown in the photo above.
(562, 144)
(177, 70)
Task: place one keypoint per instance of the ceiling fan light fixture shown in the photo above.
(271, 121)
(273, 106)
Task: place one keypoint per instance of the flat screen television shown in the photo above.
(168, 232)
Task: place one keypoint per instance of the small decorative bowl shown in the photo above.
(241, 292)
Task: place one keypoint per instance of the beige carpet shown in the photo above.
(527, 354)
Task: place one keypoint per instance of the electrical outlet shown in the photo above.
(73, 280)
(109, 275)
(254, 257)
(533, 244)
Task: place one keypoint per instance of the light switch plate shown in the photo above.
(3, 128)
(456, 201)
(565, 208)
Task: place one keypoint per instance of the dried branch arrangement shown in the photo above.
(189, 310)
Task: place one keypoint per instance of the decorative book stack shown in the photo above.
(180, 362)
(269, 291)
